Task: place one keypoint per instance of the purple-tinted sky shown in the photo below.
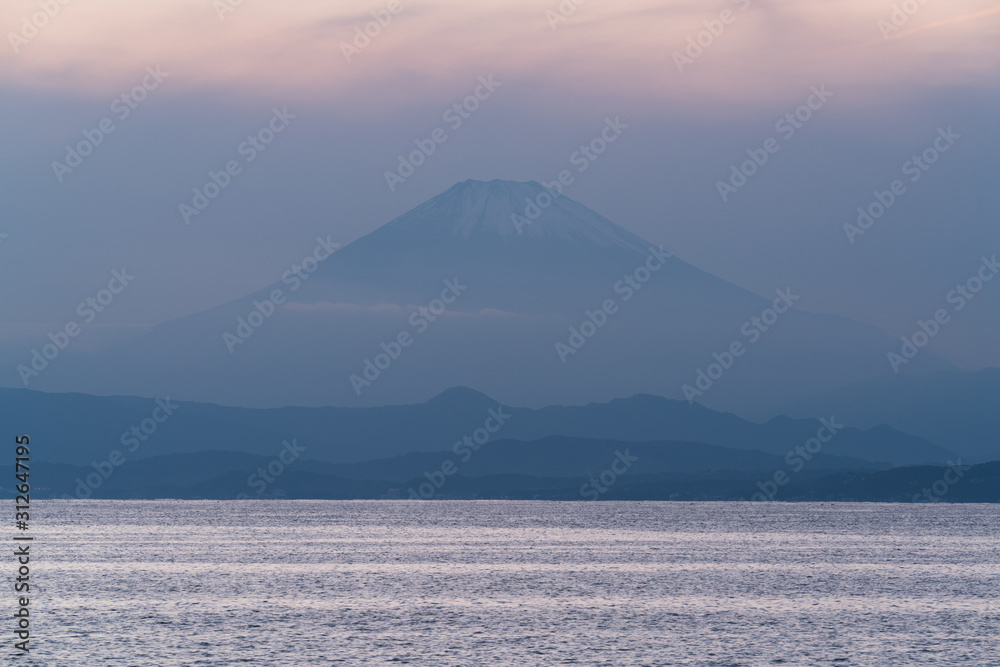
(690, 116)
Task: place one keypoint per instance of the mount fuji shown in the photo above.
(476, 288)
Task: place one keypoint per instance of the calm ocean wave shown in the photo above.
(160, 583)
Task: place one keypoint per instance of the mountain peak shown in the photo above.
(460, 395)
(511, 210)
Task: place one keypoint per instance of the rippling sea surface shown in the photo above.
(511, 583)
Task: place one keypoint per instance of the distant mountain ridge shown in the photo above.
(88, 428)
(961, 409)
(555, 469)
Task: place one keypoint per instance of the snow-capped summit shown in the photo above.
(511, 209)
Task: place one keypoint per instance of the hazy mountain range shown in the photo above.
(80, 429)
(460, 444)
(523, 281)
(554, 469)
(533, 300)
(962, 409)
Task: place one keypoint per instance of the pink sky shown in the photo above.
(771, 49)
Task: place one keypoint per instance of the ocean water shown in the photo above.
(510, 583)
